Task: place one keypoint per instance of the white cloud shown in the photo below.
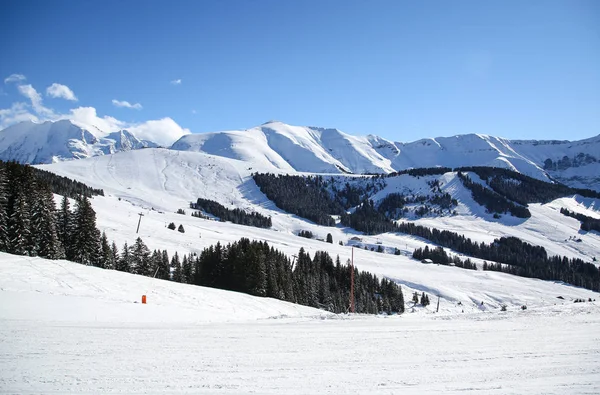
(14, 78)
(36, 100)
(18, 112)
(162, 131)
(176, 82)
(60, 91)
(89, 117)
(126, 104)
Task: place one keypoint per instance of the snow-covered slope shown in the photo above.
(68, 328)
(319, 150)
(49, 142)
(165, 180)
(75, 293)
(307, 149)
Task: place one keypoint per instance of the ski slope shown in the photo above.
(65, 328)
(157, 182)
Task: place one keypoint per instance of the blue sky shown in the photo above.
(402, 70)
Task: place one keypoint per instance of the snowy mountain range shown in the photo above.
(289, 148)
(49, 142)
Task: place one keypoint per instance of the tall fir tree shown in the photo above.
(43, 225)
(4, 240)
(140, 258)
(86, 236)
(64, 227)
(124, 262)
(176, 265)
(106, 256)
(19, 225)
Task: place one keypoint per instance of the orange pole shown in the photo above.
(143, 299)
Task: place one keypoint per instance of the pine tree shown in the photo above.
(64, 228)
(86, 236)
(106, 260)
(18, 226)
(43, 225)
(140, 258)
(4, 240)
(114, 252)
(164, 271)
(180, 229)
(186, 270)
(176, 265)
(124, 262)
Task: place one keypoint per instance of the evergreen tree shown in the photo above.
(4, 240)
(140, 258)
(186, 270)
(124, 262)
(114, 252)
(86, 236)
(176, 265)
(46, 242)
(180, 228)
(164, 270)
(19, 226)
(106, 259)
(64, 228)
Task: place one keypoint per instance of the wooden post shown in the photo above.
(438, 306)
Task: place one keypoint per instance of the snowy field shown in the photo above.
(67, 328)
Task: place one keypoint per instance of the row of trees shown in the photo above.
(587, 223)
(258, 269)
(237, 216)
(302, 196)
(438, 255)
(521, 258)
(58, 184)
(524, 189)
(492, 201)
(31, 225)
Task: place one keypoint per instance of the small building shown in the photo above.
(427, 260)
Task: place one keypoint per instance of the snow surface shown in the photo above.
(160, 181)
(66, 328)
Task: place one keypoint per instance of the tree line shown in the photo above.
(521, 258)
(58, 184)
(438, 255)
(524, 189)
(256, 268)
(302, 196)
(587, 223)
(491, 200)
(237, 216)
(31, 225)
